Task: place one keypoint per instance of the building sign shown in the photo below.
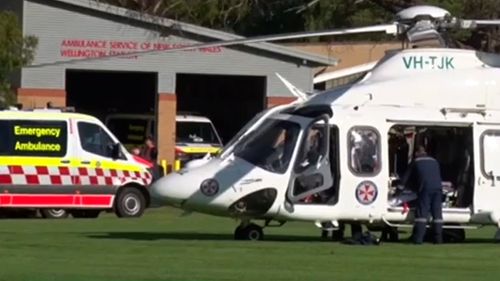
(88, 48)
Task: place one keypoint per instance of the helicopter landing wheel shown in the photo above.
(390, 234)
(455, 235)
(251, 232)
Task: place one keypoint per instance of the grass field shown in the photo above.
(162, 245)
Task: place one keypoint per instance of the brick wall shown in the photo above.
(38, 98)
(167, 108)
(273, 101)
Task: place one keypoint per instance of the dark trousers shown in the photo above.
(429, 202)
(338, 235)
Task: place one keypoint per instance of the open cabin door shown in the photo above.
(312, 176)
(487, 169)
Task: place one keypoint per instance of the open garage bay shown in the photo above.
(229, 101)
(100, 93)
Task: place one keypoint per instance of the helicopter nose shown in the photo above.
(173, 189)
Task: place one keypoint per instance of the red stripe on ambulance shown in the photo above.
(27, 200)
(42, 170)
(16, 170)
(97, 200)
(5, 179)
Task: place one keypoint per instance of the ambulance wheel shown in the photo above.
(54, 213)
(251, 232)
(130, 202)
(85, 214)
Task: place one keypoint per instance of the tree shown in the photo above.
(16, 51)
(219, 14)
(258, 17)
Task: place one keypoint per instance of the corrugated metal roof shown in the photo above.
(198, 30)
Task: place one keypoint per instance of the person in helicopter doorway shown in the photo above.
(424, 177)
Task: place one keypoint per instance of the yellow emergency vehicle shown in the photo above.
(195, 135)
(62, 162)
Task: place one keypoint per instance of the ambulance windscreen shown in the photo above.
(130, 132)
(196, 132)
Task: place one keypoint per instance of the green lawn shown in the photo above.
(163, 245)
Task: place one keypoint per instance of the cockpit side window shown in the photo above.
(364, 149)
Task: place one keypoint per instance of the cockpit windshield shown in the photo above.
(271, 146)
(242, 131)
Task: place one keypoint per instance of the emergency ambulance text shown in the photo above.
(38, 132)
(39, 146)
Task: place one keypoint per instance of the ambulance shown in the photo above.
(195, 135)
(68, 163)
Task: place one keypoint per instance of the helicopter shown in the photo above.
(364, 135)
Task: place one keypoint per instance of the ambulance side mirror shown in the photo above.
(115, 151)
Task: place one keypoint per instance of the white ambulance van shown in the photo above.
(68, 163)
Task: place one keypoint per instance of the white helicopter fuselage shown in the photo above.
(430, 95)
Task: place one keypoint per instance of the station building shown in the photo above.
(103, 59)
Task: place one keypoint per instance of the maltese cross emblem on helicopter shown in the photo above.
(366, 192)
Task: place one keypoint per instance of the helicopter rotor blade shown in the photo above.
(470, 24)
(387, 28)
(487, 22)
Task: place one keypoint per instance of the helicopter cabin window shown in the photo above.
(450, 146)
(490, 142)
(364, 148)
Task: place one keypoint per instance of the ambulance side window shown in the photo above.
(94, 139)
(364, 150)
